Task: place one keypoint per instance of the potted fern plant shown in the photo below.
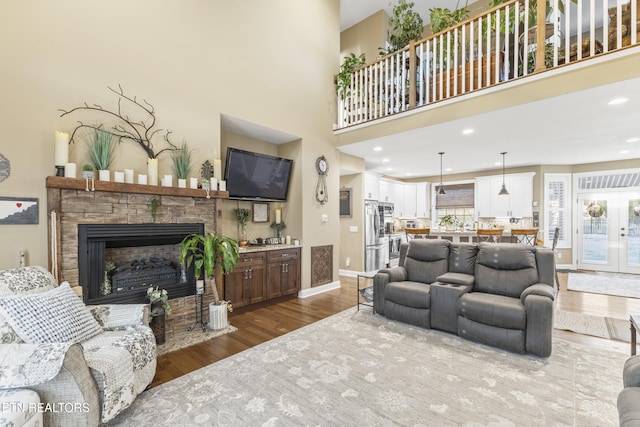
(101, 151)
(207, 253)
(181, 159)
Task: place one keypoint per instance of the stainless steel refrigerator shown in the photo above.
(374, 246)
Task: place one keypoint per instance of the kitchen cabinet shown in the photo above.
(517, 204)
(371, 186)
(283, 272)
(409, 200)
(246, 283)
(423, 198)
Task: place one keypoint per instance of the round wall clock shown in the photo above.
(322, 166)
(5, 168)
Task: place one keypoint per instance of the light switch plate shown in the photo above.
(353, 228)
(325, 217)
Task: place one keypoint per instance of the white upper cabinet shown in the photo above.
(517, 204)
(409, 201)
(423, 198)
(371, 186)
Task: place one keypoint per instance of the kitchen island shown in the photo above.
(463, 236)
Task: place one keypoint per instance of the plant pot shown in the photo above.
(218, 318)
(182, 183)
(104, 175)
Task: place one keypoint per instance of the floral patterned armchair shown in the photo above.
(95, 358)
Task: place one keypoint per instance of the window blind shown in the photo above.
(457, 196)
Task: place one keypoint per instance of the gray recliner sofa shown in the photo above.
(497, 294)
(629, 397)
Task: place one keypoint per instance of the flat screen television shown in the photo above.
(255, 176)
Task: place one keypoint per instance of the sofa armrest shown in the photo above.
(58, 372)
(539, 289)
(118, 316)
(396, 274)
(21, 364)
(631, 372)
(380, 282)
(457, 279)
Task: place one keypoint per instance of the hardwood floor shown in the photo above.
(264, 322)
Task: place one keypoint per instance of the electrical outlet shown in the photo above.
(353, 228)
(348, 262)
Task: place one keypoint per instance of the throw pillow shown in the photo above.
(57, 315)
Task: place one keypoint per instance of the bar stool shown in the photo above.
(528, 236)
(417, 233)
(492, 235)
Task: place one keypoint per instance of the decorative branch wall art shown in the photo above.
(18, 210)
(137, 126)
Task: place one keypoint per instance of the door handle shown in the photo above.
(622, 234)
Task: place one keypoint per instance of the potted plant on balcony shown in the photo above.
(207, 253)
(343, 78)
(405, 25)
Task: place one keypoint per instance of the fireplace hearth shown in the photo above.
(142, 255)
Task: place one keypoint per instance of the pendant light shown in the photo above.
(503, 190)
(441, 189)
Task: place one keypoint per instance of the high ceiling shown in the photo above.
(579, 127)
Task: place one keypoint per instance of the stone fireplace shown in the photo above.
(88, 223)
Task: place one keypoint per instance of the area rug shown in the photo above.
(186, 338)
(597, 326)
(356, 368)
(624, 285)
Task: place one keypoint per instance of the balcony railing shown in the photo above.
(497, 46)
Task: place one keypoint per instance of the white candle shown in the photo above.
(128, 176)
(193, 183)
(222, 186)
(167, 181)
(142, 179)
(217, 169)
(152, 171)
(61, 152)
(287, 240)
(118, 176)
(182, 183)
(214, 184)
(70, 170)
(278, 216)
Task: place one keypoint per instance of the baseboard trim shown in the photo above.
(348, 273)
(305, 293)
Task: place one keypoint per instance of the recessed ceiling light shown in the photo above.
(624, 152)
(377, 149)
(468, 131)
(389, 169)
(633, 139)
(498, 163)
(385, 160)
(618, 101)
(448, 170)
(408, 174)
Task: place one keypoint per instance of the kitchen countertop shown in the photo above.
(462, 233)
(260, 248)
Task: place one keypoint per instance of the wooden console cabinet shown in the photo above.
(263, 275)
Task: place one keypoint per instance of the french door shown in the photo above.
(609, 232)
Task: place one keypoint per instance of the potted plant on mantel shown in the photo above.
(101, 150)
(181, 159)
(207, 253)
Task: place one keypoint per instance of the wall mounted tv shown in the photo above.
(254, 176)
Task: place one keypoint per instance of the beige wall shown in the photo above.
(367, 36)
(352, 242)
(270, 63)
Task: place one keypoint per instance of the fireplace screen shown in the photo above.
(118, 262)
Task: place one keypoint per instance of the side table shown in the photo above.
(367, 279)
(634, 322)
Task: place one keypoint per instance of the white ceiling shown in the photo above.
(354, 11)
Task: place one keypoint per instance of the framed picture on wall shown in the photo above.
(345, 203)
(260, 212)
(18, 210)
